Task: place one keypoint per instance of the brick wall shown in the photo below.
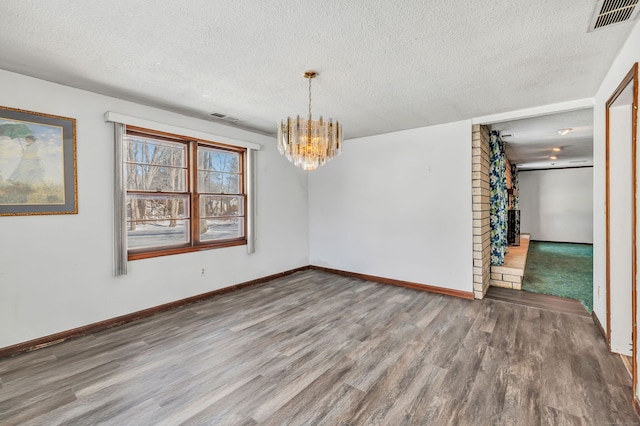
(481, 194)
(505, 278)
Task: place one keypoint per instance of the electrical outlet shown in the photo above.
(203, 272)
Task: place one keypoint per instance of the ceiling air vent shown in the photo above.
(609, 12)
(223, 117)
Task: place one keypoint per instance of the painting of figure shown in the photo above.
(31, 155)
(30, 170)
(37, 163)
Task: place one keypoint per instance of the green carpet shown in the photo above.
(560, 269)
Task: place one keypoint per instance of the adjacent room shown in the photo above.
(217, 212)
(551, 158)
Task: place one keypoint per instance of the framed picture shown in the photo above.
(37, 163)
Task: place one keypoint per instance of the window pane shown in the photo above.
(151, 207)
(221, 205)
(218, 183)
(157, 220)
(221, 228)
(157, 233)
(161, 153)
(218, 160)
(156, 178)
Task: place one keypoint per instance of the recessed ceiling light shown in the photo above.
(563, 132)
(553, 157)
(556, 149)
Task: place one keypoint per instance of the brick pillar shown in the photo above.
(481, 207)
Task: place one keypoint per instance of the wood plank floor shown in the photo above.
(536, 300)
(316, 348)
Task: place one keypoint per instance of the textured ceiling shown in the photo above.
(530, 141)
(384, 66)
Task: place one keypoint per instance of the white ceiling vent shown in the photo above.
(609, 12)
(223, 117)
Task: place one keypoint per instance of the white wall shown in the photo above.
(397, 205)
(557, 205)
(56, 271)
(629, 54)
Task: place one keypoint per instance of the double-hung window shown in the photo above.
(182, 194)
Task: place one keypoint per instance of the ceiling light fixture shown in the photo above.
(556, 149)
(309, 143)
(553, 157)
(564, 131)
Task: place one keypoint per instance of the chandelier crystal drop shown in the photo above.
(309, 143)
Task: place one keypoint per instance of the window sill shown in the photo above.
(179, 250)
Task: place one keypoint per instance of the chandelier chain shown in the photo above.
(309, 98)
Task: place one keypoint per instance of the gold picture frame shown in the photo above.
(37, 163)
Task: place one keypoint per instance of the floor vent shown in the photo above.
(609, 12)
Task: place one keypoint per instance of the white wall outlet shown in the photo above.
(203, 272)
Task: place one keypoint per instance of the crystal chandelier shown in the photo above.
(309, 143)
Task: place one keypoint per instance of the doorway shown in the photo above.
(621, 219)
(553, 158)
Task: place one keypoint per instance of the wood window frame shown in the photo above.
(192, 192)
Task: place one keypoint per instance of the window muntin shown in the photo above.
(173, 207)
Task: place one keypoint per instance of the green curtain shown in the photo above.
(499, 199)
